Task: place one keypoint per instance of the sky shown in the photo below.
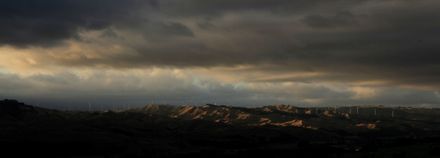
(69, 53)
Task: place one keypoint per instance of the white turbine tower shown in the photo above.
(90, 107)
(357, 110)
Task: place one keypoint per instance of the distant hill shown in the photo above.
(368, 117)
(220, 131)
(15, 108)
(277, 115)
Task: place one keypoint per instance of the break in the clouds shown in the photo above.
(250, 52)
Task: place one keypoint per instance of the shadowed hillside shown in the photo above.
(220, 131)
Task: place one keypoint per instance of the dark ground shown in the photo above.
(31, 131)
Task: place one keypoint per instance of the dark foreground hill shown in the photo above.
(219, 131)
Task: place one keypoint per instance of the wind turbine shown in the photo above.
(90, 107)
(357, 110)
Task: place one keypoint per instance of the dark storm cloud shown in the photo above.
(157, 30)
(339, 19)
(219, 7)
(347, 40)
(48, 22)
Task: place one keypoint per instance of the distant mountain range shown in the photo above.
(276, 115)
(367, 117)
(220, 131)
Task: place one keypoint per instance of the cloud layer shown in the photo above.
(386, 50)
